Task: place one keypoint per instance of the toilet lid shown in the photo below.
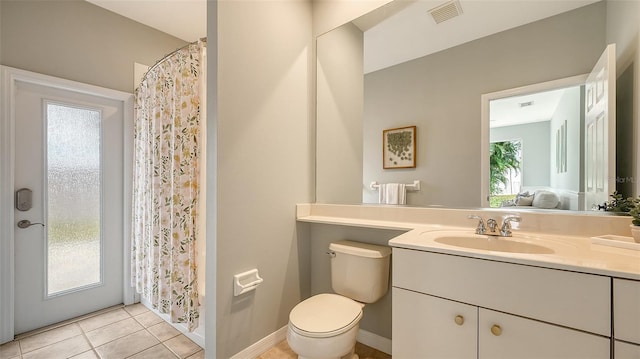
(325, 315)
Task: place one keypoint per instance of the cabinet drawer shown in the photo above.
(525, 338)
(626, 310)
(575, 300)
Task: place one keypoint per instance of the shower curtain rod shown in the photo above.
(203, 39)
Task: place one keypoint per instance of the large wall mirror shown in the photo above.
(403, 65)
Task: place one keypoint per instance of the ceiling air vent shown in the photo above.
(526, 104)
(446, 11)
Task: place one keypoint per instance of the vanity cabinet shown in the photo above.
(503, 335)
(509, 310)
(427, 324)
(626, 319)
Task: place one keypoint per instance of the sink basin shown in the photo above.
(490, 243)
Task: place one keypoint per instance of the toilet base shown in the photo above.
(338, 347)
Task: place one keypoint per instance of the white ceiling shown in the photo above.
(410, 32)
(509, 112)
(184, 19)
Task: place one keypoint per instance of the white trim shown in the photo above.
(130, 295)
(262, 345)
(9, 76)
(6, 209)
(484, 121)
(375, 341)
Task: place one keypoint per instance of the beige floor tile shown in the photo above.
(163, 331)
(156, 352)
(127, 346)
(113, 331)
(63, 349)
(198, 355)
(136, 309)
(283, 351)
(103, 319)
(182, 346)
(148, 319)
(9, 350)
(49, 337)
(86, 355)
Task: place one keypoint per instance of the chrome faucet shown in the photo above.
(480, 229)
(491, 227)
(505, 230)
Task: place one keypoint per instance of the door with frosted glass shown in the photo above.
(68, 238)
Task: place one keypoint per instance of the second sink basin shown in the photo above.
(488, 243)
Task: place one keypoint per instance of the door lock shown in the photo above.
(25, 223)
(24, 199)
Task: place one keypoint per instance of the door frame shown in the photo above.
(485, 99)
(9, 77)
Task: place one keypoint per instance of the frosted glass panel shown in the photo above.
(73, 193)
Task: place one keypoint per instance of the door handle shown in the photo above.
(25, 223)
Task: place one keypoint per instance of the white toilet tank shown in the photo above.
(360, 271)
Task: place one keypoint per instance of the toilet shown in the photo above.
(325, 326)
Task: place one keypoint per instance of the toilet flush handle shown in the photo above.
(331, 254)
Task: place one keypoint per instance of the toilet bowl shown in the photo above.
(325, 326)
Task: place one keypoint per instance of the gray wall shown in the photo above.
(440, 93)
(570, 110)
(76, 40)
(536, 154)
(623, 28)
(264, 154)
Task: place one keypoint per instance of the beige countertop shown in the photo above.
(568, 251)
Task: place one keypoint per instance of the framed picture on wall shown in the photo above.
(399, 147)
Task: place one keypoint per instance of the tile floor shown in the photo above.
(124, 332)
(282, 351)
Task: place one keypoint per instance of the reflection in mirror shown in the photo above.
(439, 92)
(547, 127)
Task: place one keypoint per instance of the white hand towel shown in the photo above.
(393, 193)
(382, 193)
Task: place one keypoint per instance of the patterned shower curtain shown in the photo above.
(166, 185)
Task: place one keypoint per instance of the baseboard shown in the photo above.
(375, 341)
(262, 345)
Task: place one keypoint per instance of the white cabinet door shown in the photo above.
(626, 310)
(507, 336)
(430, 327)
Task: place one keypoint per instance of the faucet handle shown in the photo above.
(505, 230)
(492, 224)
(480, 229)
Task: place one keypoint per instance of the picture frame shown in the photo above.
(399, 147)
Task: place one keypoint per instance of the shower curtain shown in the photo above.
(166, 183)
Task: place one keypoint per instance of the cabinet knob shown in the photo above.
(459, 320)
(496, 330)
